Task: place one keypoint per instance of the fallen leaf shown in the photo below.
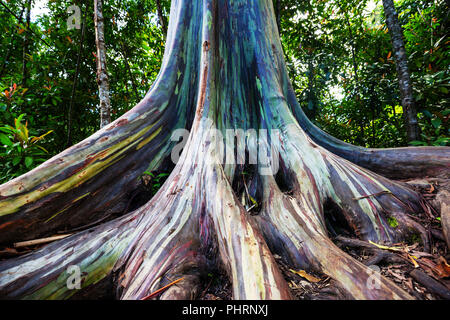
(302, 273)
(430, 267)
(443, 268)
(413, 259)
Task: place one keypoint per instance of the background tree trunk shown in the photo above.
(404, 79)
(161, 18)
(26, 41)
(74, 85)
(278, 14)
(102, 75)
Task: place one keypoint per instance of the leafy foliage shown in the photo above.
(154, 181)
(343, 70)
(135, 46)
(20, 151)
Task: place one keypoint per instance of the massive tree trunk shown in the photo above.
(404, 79)
(223, 69)
(102, 74)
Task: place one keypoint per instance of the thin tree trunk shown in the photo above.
(161, 18)
(404, 78)
(102, 75)
(25, 45)
(74, 86)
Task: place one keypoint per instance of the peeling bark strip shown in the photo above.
(102, 75)
(223, 69)
(404, 79)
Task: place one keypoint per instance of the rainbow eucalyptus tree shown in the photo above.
(223, 69)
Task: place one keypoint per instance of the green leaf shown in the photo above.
(42, 148)
(5, 140)
(436, 122)
(19, 119)
(16, 160)
(392, 222)
(28, 161)
(427, 113)
(442, 141)
(417, 143)
(148, 173)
